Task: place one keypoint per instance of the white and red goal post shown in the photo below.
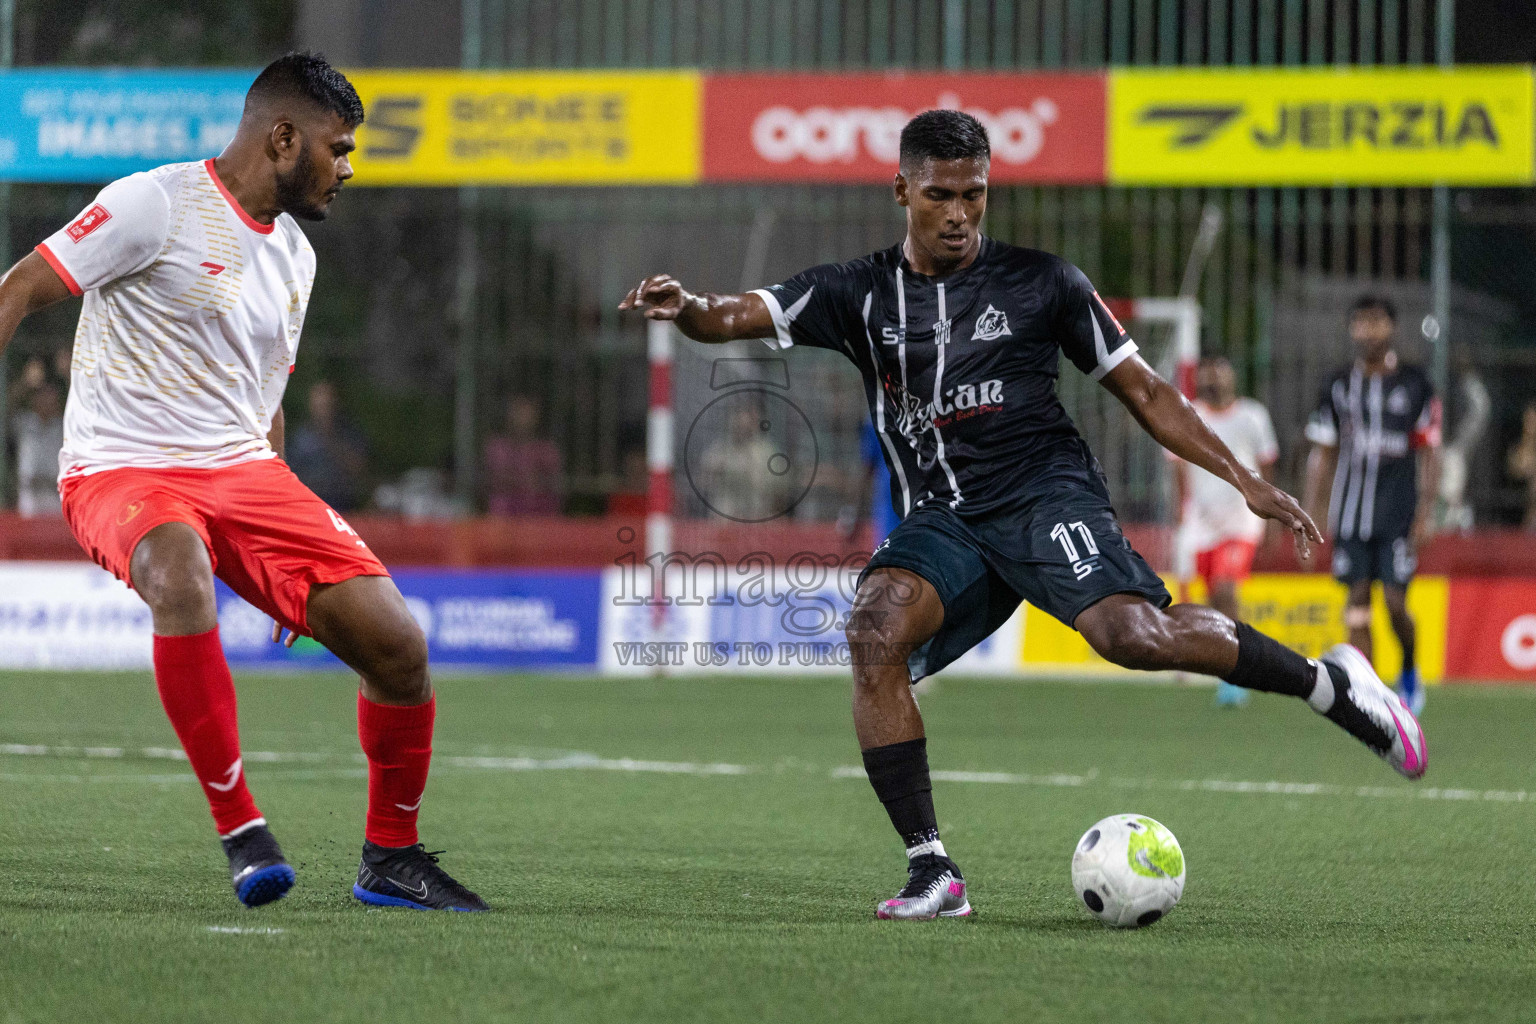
(1181, 314)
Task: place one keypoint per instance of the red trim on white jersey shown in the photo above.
(58, 268)
(245, 218)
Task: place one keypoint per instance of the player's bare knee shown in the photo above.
(175, 579)
(397, 664)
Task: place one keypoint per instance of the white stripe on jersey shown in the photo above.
(879, 412)
(1372, 461)
(941, 342)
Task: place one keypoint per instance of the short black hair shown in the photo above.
(307, 76)
(1373, 301)
(944, 135)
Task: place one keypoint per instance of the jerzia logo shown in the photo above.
(991, 324)
(1395, 125)
(1194, 124)
(1323, 126)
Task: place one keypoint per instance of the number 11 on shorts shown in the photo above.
(1081, 565)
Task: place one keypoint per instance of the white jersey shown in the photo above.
(190, 325)
(1214, 511)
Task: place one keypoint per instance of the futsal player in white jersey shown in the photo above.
(1216, 529)
(195, 280)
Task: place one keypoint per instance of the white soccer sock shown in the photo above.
(933, 846)
(1322, 696)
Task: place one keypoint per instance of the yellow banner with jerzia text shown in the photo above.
(1366, 126)
(527, 128)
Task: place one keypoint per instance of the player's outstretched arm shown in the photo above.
(27, 287)
(703, 316)
(1174, 424)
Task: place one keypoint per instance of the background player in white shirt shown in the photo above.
(1217, 532)
(196, 278)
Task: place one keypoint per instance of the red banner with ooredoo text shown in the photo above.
(1491, 630)
(1046, 129)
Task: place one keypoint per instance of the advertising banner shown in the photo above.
(1349, 126)
(832, 127)
(75, 615)
(503, 619)
(1492, 628)
(1301, 610)
(88, 125)
(527, 127)
(70, 615)
(750, 617)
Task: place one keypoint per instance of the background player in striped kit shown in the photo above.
(1375, 465)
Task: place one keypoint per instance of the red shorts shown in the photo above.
(1230, 560)
(269, 536)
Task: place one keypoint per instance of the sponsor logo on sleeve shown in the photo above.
(89, 221)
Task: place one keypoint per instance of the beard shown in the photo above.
(296, 190)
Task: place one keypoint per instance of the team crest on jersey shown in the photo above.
(1397, 401)
(89, 221)
(991, 324)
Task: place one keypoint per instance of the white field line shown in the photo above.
(219, 929)
(1270, 788)
(568, 761)
(581, 761)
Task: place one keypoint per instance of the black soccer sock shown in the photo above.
(1268, 665)
(899, 773)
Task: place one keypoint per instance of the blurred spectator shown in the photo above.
(327, 452)
(39, 429)
(524, 473)
(33, 375)
(738, 471)
(1456, 456)
(1522, 463)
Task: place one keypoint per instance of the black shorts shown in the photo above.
(1391, 561)
(1062, 553)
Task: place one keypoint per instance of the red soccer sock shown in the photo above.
(398, 743)
(199, 698)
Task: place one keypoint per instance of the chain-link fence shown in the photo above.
(433, 307)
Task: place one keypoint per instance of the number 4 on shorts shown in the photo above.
(342, 527)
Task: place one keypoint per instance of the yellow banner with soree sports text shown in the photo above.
(527, 128)
(1347, 126)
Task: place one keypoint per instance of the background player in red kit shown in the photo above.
(196, 278)
(1216, 530)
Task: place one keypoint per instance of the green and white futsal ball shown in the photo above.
(1128, 870)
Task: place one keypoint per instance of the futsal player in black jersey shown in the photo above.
(1376, 436)
(957, 337)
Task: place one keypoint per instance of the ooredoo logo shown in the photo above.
(88, 221)
(1043, 128)
(825, 134)
(1518, 644)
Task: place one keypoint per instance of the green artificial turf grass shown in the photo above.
(672, 894)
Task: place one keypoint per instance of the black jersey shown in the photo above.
(1378, 422)
(960, 371)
